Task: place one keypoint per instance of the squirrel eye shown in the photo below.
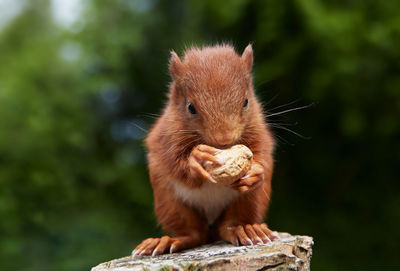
(246, 103)
(191, 109)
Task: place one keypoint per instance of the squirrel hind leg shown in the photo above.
(241, 223)
(248, 234)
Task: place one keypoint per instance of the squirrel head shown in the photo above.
(212, 91)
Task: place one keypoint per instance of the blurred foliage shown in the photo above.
(74, 101)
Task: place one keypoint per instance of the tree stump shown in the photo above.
(289, 253)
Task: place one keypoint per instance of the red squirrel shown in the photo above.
(211, 106)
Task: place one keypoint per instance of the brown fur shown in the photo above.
(217, 81)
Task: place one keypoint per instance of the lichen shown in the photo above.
(192, 267)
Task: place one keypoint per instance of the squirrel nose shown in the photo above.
(223, 139)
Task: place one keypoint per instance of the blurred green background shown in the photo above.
(77, 79)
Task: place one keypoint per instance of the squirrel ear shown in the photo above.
(247, 57)
(175, 65)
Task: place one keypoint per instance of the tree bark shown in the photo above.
(289, 253)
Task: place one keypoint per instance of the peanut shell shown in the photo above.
(236, 162)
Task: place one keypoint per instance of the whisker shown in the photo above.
(262, 83)
(283, 105)
(293, 132)
(270, 101)
(271, 123)
(155, 117)
(137, 126)
(149, 115)
(280, 138)
(170, 148)
(266, 194)
(290, 110)
(190, 142)
(189, 132)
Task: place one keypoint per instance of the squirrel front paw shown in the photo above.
(198, 156)
(251, 180)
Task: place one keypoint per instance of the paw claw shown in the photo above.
(244, 177)
(249, 242)
(212, 180)
(275, 236)
(136, 253)
(266, 240)
(172, 249)
(259, 241)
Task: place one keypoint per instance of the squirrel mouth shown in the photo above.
(223, 146)
(226, 146)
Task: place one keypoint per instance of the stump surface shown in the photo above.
(288, 253)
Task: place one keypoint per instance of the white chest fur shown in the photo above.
(210, 198)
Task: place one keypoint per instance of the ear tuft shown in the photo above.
(247, 57)
(175, 65)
